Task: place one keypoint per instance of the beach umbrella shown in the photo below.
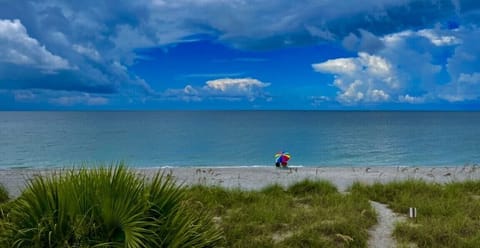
(282, 157)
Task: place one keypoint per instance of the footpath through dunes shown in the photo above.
(381, 233)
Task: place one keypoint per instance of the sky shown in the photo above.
(240, 54)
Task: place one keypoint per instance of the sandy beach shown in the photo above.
(251, 178)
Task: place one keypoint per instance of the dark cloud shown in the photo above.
(363, 42)
(22, 77)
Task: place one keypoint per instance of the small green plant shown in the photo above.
(105, 207)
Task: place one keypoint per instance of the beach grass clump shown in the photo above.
(105, 207)
(447, 214)
(306, 214)
(3, 194)
(3, 206)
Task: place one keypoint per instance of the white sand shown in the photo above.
(251, 178)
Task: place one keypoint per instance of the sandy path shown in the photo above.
(381, 234)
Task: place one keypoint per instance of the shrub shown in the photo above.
(110, 207)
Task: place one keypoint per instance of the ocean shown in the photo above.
(238, 138)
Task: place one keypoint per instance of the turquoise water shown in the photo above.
(239, 138)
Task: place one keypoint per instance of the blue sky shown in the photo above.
(240, 54)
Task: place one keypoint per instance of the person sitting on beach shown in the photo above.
(277, 164)
(284, 164)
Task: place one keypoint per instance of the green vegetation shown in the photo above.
(114, 207)
(105, 207)
(307, 214)
(448, 215)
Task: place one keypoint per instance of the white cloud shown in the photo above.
(409, 68)
(224, 88)
(396, 38)
(351, 92)
(379, 95)
(338, 66)
(439, 39)
(20, 49)
(235, 85)
(375, 65)
(366, 78)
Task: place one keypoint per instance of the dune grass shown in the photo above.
(3, 194)
(306, 214)
(448, 215)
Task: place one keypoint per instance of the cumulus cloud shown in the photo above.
(233, 89)
(234, 86)
(366, 78)
(19, 48)
(410, 68)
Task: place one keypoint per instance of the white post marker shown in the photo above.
(413, 213)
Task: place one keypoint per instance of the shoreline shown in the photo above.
(254, 178)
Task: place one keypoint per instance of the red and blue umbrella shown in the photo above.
(282, 157)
